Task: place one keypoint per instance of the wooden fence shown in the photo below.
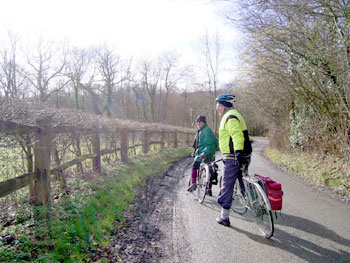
(131, 135)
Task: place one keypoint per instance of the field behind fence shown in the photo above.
(40, 143)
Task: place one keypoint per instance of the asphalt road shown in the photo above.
(313, 226)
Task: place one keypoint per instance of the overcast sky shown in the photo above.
(136, 27)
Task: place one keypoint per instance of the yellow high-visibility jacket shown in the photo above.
(231, 137)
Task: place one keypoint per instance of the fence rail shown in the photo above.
(130, 135)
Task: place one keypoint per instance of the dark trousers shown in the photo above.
(232, 171)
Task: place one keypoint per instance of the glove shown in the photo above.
(240, 158)
(203, 156)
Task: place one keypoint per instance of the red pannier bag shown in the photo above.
(273, 191)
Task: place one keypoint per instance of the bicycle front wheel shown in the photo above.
(262, 211)
(238, 202)
(202, 183)
(189, 181)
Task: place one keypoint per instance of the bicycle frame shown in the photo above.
(248, 181)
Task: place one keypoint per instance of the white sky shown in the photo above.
(136, 27)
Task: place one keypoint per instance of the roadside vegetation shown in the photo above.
(295, 78)
(325, 171)
(83, 219)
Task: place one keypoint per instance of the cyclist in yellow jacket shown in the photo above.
(235, 147)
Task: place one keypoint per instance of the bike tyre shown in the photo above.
(189, 181)
(202, 183)
(262, 212)
(238, 203)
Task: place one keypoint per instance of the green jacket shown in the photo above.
(231, 137)
(207, 143)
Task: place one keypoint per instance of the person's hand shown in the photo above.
(240, 158)
(203, 156)
(192, 154)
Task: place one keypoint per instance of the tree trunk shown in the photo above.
(96, 161)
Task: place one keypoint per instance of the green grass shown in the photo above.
(326, 171)
(12, 163)
(79, 223)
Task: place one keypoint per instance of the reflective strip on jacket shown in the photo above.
(232, 129)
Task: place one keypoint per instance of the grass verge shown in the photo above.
(81, 222)
(326, 171)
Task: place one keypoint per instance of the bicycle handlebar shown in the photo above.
(219, 160)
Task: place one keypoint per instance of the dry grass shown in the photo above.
(327, 171)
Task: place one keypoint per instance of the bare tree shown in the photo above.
(110, 67)
(45, 66)
(170, 78)
(11, 74)
(210, 48)
(125, 91)
(78, 71)
(150, 81)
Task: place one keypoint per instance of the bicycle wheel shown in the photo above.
(238, 203)
(202, 183)
(262, 211)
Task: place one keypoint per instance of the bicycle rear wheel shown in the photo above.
(189, 181)
(238, 203)
(202, 183)
(262, 211)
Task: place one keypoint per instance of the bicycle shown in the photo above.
(255, 200)
(204, 178)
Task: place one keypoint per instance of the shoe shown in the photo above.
(192, 187)
(209, 192)
(224, 222)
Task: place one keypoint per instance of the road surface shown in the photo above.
(313, 226)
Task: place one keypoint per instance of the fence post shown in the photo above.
(30, 165)
(188, 142)
(59, 174)
(162, 139)
(133, 141)
(124, 144)
(175, 140)
(76, 144)
(41, 182)
(145, 142)
(96, 146)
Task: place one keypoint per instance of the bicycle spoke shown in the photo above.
(238, 202)
(263, 216)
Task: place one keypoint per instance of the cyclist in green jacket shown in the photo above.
(205, 146)
(235, 147)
